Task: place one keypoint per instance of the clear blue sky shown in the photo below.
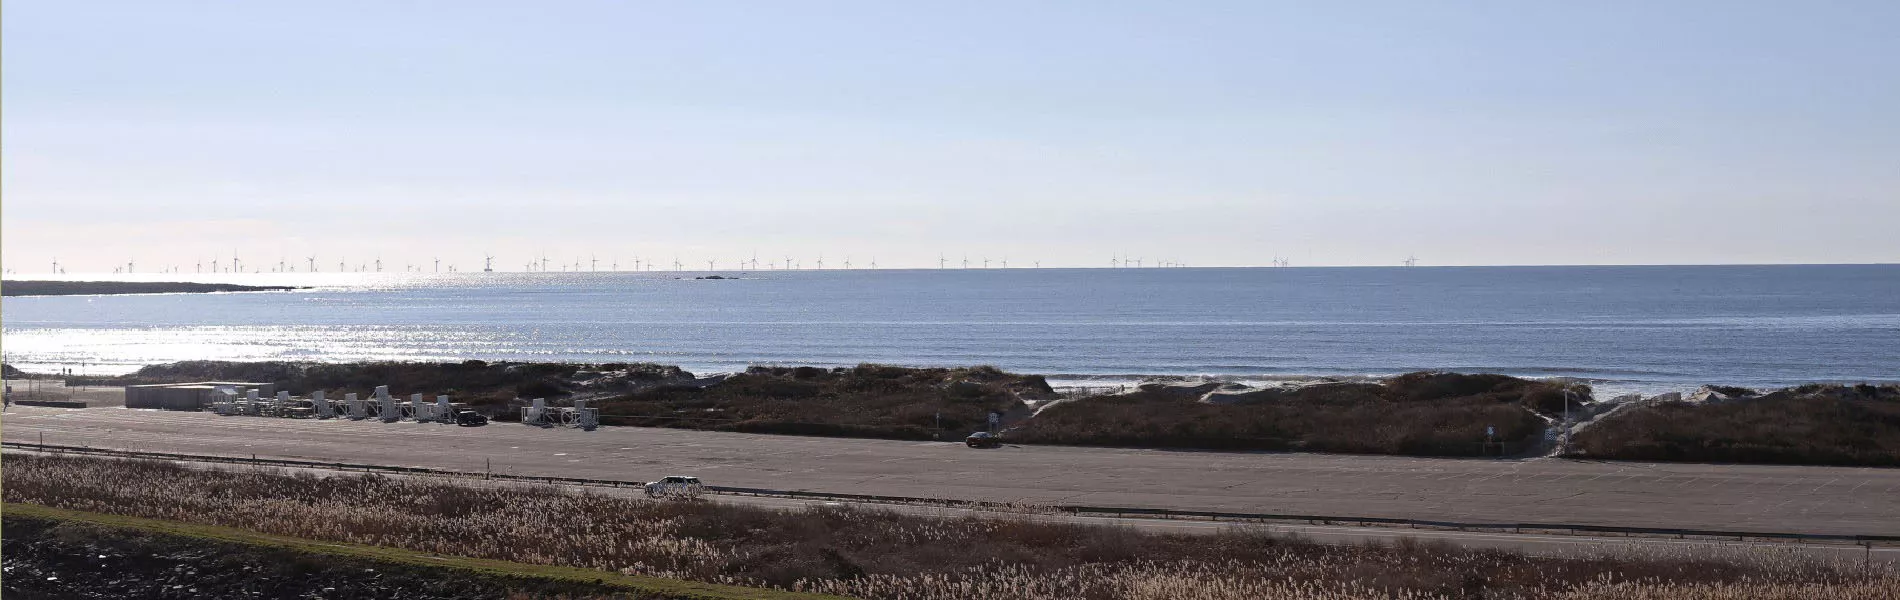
(1213, 133)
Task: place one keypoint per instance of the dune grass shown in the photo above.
(875, 401)
(1810, 425)
(1420, 414)
(882, 554)
(588, 578)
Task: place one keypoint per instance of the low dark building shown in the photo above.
(188, 396)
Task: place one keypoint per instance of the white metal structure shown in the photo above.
(386, 406)
(580, 415)
(535, 413)
(355, 407)
(225, 401)
(440, 411)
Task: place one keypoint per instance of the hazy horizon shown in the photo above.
(189, 272)
(1216, 134)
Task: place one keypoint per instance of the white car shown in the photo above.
(675, 486)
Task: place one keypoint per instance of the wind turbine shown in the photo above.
(986, 262)
(709, 265)
(966, 261)
(55, 264)
(1114, 262)
(847, 263)
(1411, 261)
(677, 265)
(488, 263)
(874, 263)
(821, 262)
(438, 264)
(282, 265)
(941, 261)
(593, 262)
(379, 264)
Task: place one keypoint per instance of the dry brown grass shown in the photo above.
(877, 553)
(1815, 425)
(876, 401)
(1422, 414)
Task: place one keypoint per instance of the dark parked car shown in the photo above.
(676, 486)
(983, 439)
(469, 418)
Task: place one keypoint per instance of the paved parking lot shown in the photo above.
(1839, 500)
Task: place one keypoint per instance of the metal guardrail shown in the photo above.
(1154, 513)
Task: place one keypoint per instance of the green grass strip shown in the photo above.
(608, 582)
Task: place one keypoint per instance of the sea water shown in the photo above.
(1621, 328)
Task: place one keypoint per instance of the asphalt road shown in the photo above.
(1554, 545)
(1834, 500)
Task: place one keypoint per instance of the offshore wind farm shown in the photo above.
(232, 264)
